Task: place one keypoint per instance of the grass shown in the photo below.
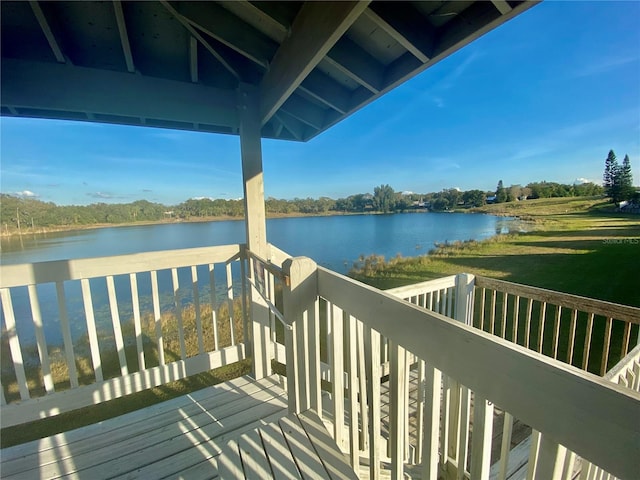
(577, 246)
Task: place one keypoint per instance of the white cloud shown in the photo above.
(27, 194)
(581, 180)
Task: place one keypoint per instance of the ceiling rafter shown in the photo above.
(403, 23)
(185, 23)
(124, 37)
(229, 30)
(502, 6)
(258, 19)
(193, 59)
(305, 111)
(294, 126)
(354, 62)
(315, 30)
(46, 29)
(326, 90)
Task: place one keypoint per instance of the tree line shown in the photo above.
(617, 180)
(29, 213)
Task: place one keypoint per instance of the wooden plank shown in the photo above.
(541, 322)
(587, 342)
(282, 463)
(481, 438)
(362, 387)
(463, 433)
(430, 452)
(230, 463)
(518, 380)
(397, 386)
(309, 465)
(214, 307)
(66, 334)
(46, 29)
(14, 344)
(315, 30)
(372, 358)
(76, 269)
(216, 407)
(352, 373)
(337, 373)
(423, 287)
(115, 322)
(157, 316)
(177, 311)
(606, 347)
(92, 332)
(527, 325)
(505, 448)
(124, 37)
(41, 342)
(137, 326)
(254, 458)
(335, 462)
(550, 460)
(572, 335)
(230, 300)
(196, 306)
(556, 331)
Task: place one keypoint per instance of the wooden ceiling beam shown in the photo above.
(124, 37)
(315, 30)
(44, 86)
(185, 23)
(46, 29)
(257, 18)
(305, 111)
(502, 6)
(326, 90)
(229, 30)
(294, 126)
(357, 64)
(193, 59)
(406, 26)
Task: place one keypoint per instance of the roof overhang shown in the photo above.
(179, 64)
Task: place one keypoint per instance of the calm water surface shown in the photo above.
(334, 242)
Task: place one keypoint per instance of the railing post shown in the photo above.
(303, 362)
(259, 345)
(464, 298)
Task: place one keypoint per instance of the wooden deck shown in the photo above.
(238, 429)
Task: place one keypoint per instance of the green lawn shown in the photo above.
(574, 245)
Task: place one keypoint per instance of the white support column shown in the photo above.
(257, 340)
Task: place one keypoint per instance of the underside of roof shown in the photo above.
(179, 64)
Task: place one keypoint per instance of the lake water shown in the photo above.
(334, 242)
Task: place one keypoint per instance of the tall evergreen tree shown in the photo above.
(501, 193)
(608, 178)
(625, 180)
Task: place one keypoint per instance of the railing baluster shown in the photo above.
(607, 344)
(516, 318)
(556, 331)
(41, 342)
(463, 435)
(505, 448)
(66, 335)
(157, 316)
(177, 303)
(372, 357)
(3, 400)
(543, 313)
(337, 373)
(117, 330)
(527, 325)
(449, 292)
(587, 342)
(505, 305)
(572, 335)
(625, 340)
(214, 307)
(14, 343)
(133, 280)
(196, 306)
(246, 316)
(315, 392)
(397, 412)
(362, 387)
(420, 410)
(230, 301)
(481, 312)
(492, 320)
(432, 406)
(352, 370)
(481, 439)
(91, 329)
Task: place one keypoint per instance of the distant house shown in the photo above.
(491, 199)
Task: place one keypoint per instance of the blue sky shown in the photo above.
(544, 97)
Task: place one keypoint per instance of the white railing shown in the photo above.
(183, 314)
(455, 363)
